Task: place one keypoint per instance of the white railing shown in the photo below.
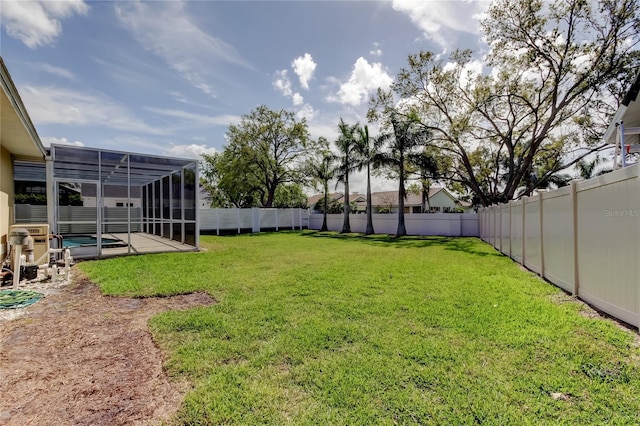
(252, 220)
(444, 224)
(584, 238)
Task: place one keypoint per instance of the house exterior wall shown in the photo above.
(443, 201)
(6, 197)
(18, 137)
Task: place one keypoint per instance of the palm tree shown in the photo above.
(321, 172)
(366, 150)
(425, 166)
(406, 137)
(587, 169)
(346, 145)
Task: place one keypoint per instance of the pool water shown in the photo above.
(87, 240)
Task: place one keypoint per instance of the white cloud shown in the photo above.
(133, 143)
(37, 23)
(50, 105)
(365, 79)
(282, 83)
(197, 119)
(125, 72)
(179, 97)
(439, 19)
(307, 112)
(48, 140)
(189, 151)
(304, 67)
(185, 47)
(297, 99)
(470, 70)
(57, 71)
(376, 51)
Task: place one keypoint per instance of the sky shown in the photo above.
(169, 77)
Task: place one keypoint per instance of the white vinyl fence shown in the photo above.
(114, 219)
(252, 220)
(444, 224)
(211, 220)
(584, 238)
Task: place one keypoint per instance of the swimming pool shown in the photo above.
(88, 240)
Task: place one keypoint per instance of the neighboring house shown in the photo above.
(113, 196)
(466, 206)
(624, 130)
(313, 200)
(18, 141)
(440, 201)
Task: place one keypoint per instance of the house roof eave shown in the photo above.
(19, 135)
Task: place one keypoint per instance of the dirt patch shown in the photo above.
(591, 312)
(77, 357)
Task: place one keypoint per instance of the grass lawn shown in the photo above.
(316, 328)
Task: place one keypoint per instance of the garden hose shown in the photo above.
(13, 299)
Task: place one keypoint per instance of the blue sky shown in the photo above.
(168, 77)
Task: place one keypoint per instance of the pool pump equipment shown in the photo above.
(30, 251)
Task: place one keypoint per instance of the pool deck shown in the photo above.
(144, 243)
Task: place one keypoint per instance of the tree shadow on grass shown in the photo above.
(470, 245)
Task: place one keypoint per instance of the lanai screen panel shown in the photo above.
(134, 192)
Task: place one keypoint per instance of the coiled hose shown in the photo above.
(14, 299)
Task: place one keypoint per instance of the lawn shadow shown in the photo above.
(468, 245)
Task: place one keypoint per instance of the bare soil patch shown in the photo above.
(77, 357)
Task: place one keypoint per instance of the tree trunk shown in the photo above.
(346, 227)
(271, 194)
(369, 229)
(324, 213)
(402, 231)
(425, 199)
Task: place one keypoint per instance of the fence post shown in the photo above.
(496, 231)
(293, 221)
(493, 227)
(576, 264)
(218, 221)
(486, 223)
(638, 273)
(510, 233)
(277, 220)
(524, 226)
(255, 216)
(238, 218)
(541, 236)
(500, 226)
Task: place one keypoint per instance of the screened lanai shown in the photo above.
(106, 203)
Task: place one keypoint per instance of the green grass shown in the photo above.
(316, 328)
